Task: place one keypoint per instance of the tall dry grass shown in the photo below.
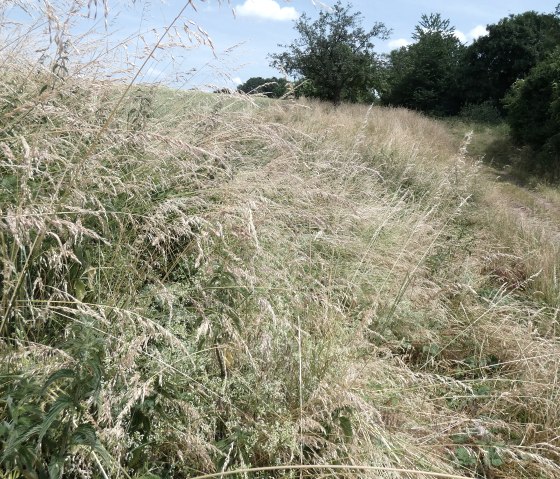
(207, 283)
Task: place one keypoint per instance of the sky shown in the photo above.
(242, 33)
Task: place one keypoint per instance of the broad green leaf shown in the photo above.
(56, 467)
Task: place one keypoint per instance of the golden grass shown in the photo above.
(221, 285)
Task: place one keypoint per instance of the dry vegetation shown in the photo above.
(212, 284)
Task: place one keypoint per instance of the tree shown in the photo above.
(511, 49)
(533, 113)
(271, 87)
(424, 76)
(334, 53)
(433, 24)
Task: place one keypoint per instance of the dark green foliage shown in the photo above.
(42, 423)
(335, 54)
(512, 47)
(424, 75)
(272, 87)
(533, 108)
(485, 112)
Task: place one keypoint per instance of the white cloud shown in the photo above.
(478, 31)
(267, 9)
(460, 36)
(398, 43)
(237, 81)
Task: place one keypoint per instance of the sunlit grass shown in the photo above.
(214, 282)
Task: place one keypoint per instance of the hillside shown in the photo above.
(196, 283)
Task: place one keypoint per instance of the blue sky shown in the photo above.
(244, 32)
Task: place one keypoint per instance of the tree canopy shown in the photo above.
(533, 108)
(272, 87)
(424, 76)
(512, 47)
(334, 54)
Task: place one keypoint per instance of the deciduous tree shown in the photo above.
(334, 53)
(272, 87)
(424, 76)
(511, 49)
(533, 108)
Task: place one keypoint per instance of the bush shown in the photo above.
(272, 87)
(485, 112)
(533, 108)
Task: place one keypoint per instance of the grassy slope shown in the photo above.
(213, 284)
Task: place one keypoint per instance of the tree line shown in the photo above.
(512, 72)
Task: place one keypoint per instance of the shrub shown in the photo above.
(485, 112)
(272, 87)
(533, 108)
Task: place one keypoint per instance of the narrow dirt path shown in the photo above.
(536, 209)
(518, 227)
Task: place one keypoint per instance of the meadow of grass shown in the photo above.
(208, 284)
